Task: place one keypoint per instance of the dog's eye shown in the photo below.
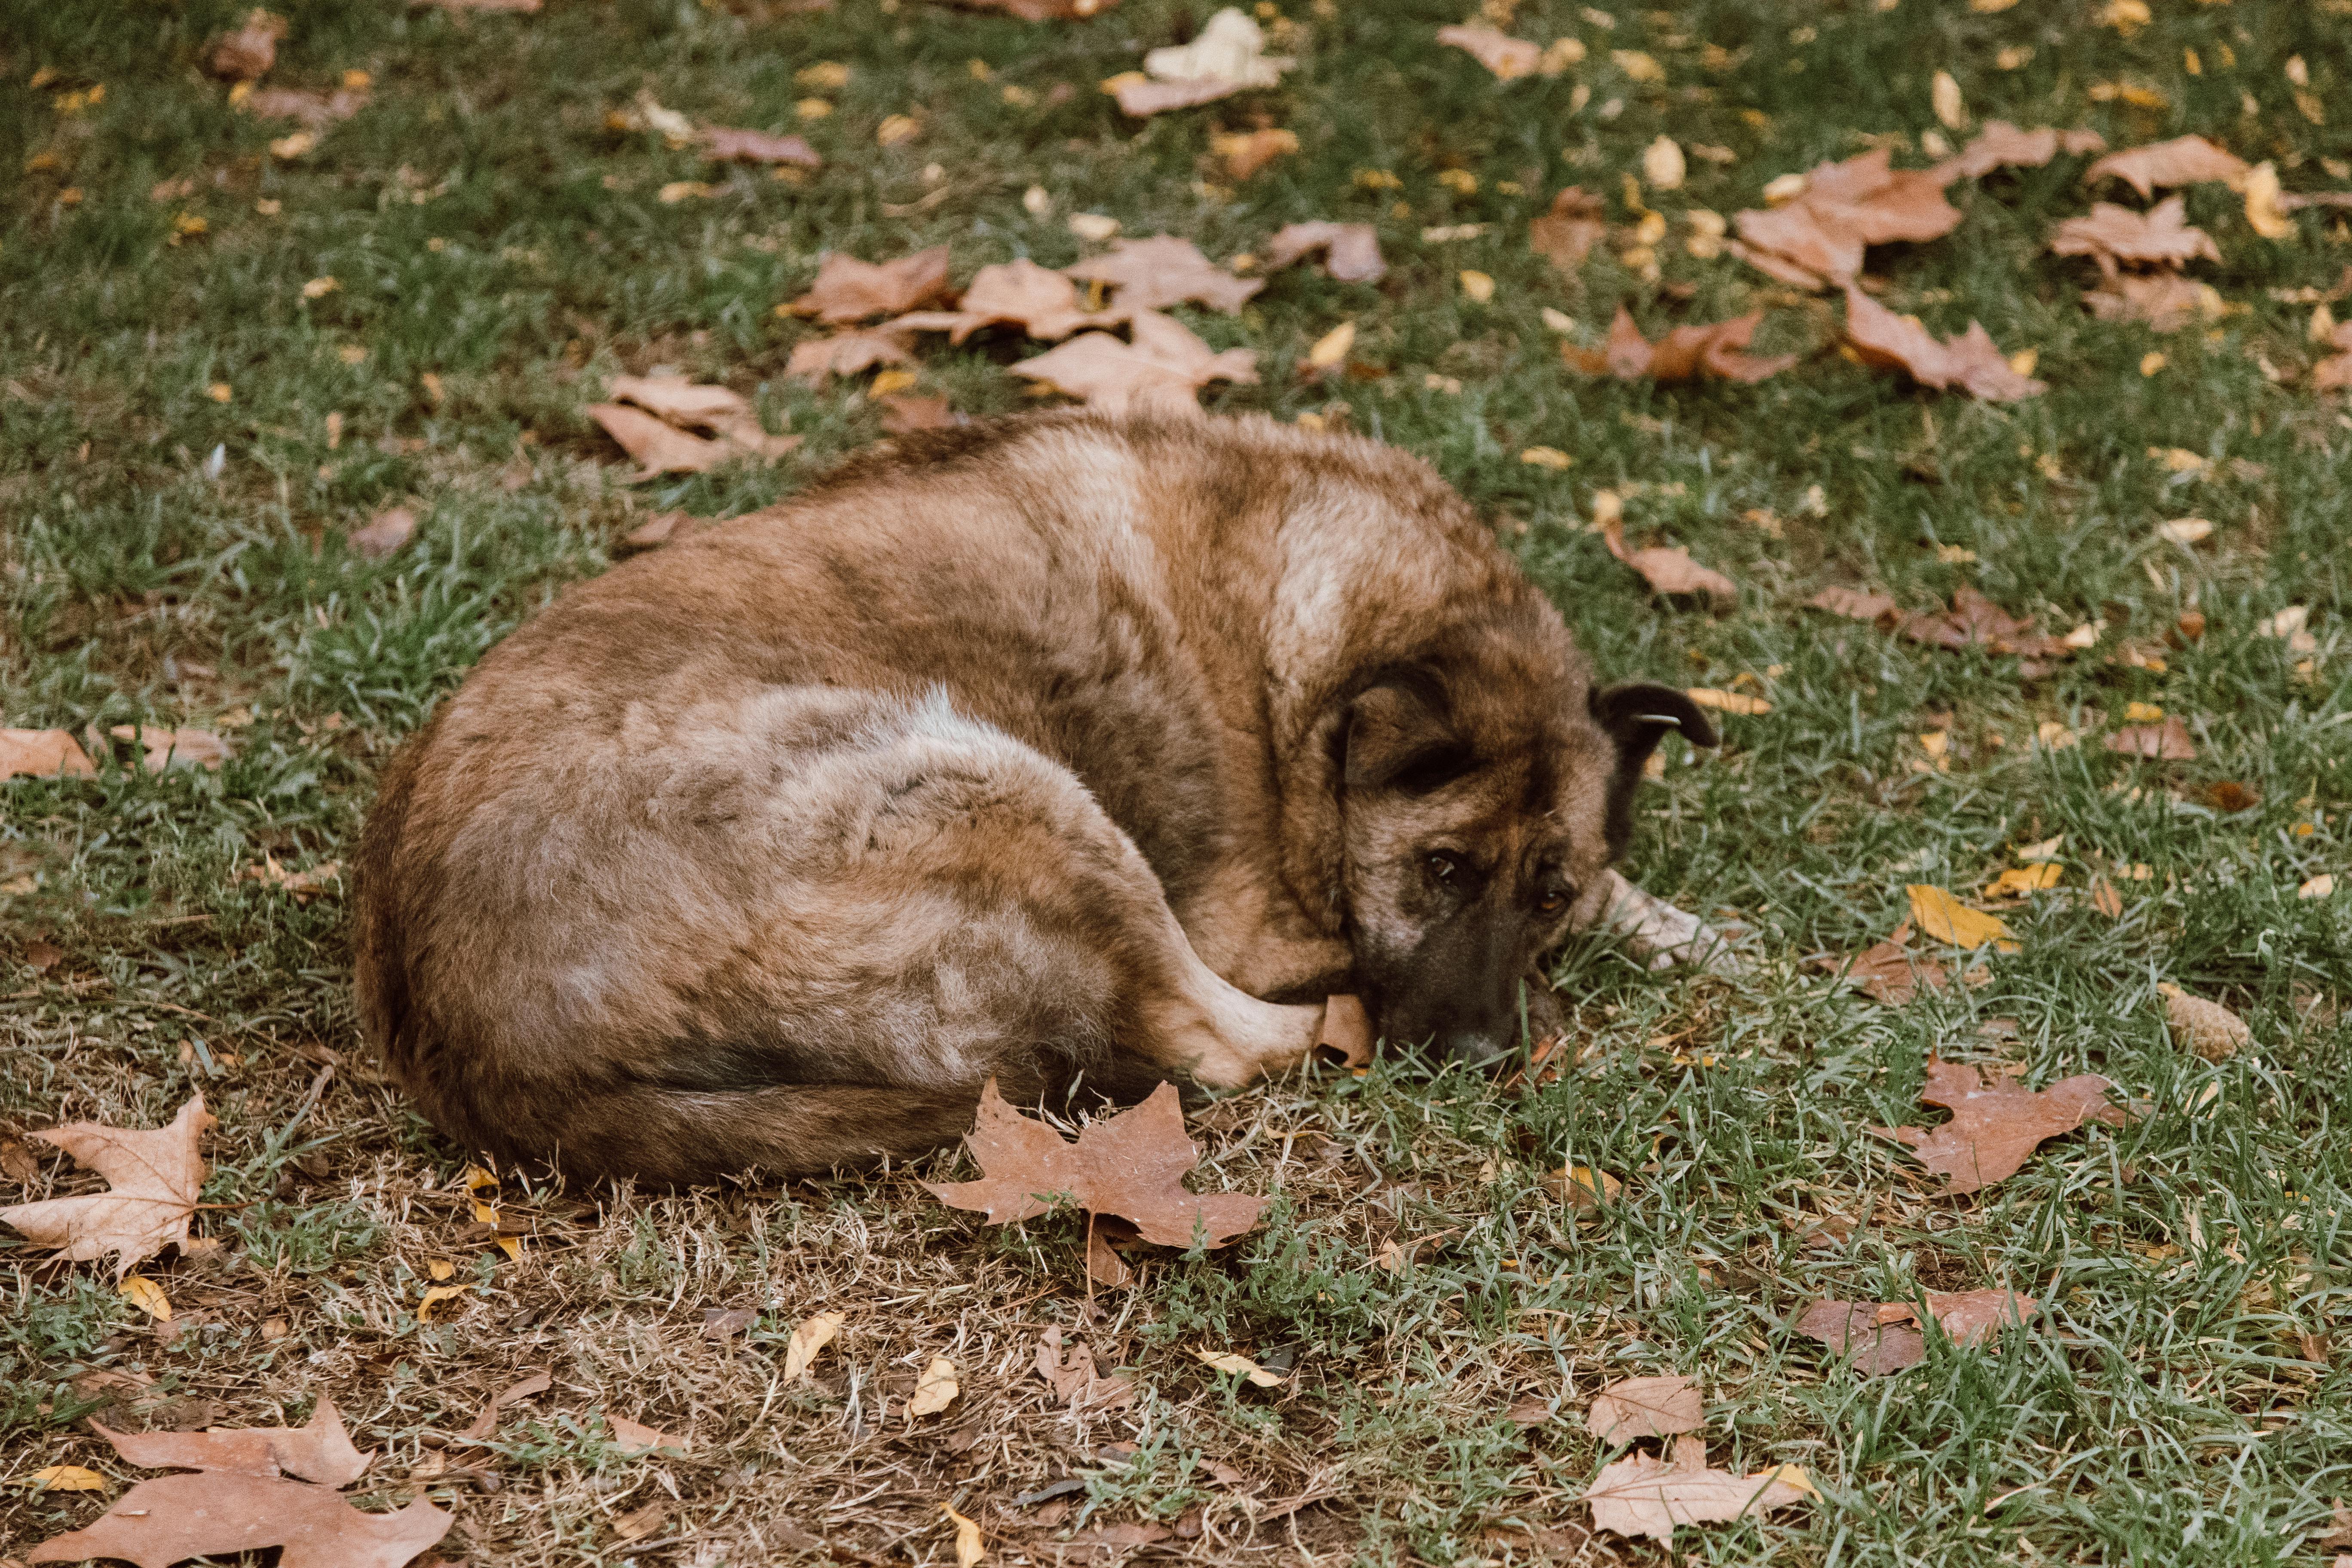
(1555, 900)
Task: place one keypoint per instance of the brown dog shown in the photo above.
(1055, 750)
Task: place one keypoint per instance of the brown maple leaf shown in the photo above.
(1670, 571)
(1975, 621)
(847, 289)
(1882, 1337)
(1352, 251)
(248, 53)
(2169, 741)
(152, 1179)
(1566, 235)
(1995, 1126)
(44, 753)
(1970, 362)
(1717, 349)
(1645, 1407)
(1891, 973)
(1039, 301)
(2165, 300)
(221, 1513)
(1856, 605)
(320, 1451)
(2161, 237)
(1155, 273)
(1639, 1495)
(1819, 238)
(848, 353)
(2000, 145)
(1131, 1166)
(1162, 369)
(723, 145)
(1073, 1376)
(2183, 161)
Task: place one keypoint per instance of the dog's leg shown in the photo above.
(1656, 931)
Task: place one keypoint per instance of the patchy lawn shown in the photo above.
(189, 436)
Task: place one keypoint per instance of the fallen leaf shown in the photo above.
(384, 533)
(1074, 1378)
(1241, 1366)
(435, 1294)
(632, 1438)
(724, 144)
(1639, 1495)
(810, 1335)
(1244, 153)
(486, 1423)
(848, 353)
(1943, 917)
(1155, 273)
(1975, 621)
(2165, 300)
(248, 53)
(640, 1522)
(1994, 1127)
(1161, 370)
(1532, 1411)
(1509, 58)
(1039, 301)
(1818, 238)
(1970, 362)
(1856, 605)
(1227, 57)
(42, 753)
(1104, 1266)
(1352, 251)
(2105, 899)
(67, 1479)
(1131, 1166)
(320, 1450)
(1026, 10)
(2320, 887)
(2000, 145)
(1662, 165)
(1728, 702)
(2209, 1029)
(1645, 1407)
(1684, 352)
(658, 446)
(1670, 571)
(903, 414)
(2184, 161)
(1879, 1338)
(1476, 286)
(301, 886)
(315, 110)
(221, 1513)
(2169, 741)
(1583, 1187)
(1347, 1030)
(2229, 797)
(153, 1176)
(659, 530)
(1566, 235)
(723, 1323)
(967, 1547)
(2161, 237)
(1892, 973)
(42, 956)
(2015, 881)
(2265, 210)
(847, 289)
(935, 1390)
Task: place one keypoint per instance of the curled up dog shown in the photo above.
(1059, 750)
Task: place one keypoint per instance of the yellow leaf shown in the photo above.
(1662, 165)
(2319, 886)
(1583, 1187)
(2020, 879)
(889, 381)
(1479, 286)
(2262, 214)
(824, 75)
(289, 148)
(2152, 361)
(1939, 915)
(320, 287)
(1951, 109)
(1241, 1366)
(2142, 713)
(895, 129)
(434, 1296)
(811, 1335)
(967, 1547)
(2045, 850)
(812, 109)
(1332, 346)
(441, 1268)
(1728, 702)
(1545, 457)
(147, 1296)
(219, 392)
(935, 1390)
(678, 191)
(67, 1478)
(1637, 64)
(477, 1178)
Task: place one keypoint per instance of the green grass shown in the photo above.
(487, 228)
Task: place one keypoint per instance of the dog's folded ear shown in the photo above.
(1399, 735)
(1637, 717)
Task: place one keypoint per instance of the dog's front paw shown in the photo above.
(1664, 935)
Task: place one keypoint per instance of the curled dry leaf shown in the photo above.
(1670, 571)
(320, 1451)
(160, 748)
(935, 1390)
(1639, 1495)
(486, 1425)
(152, 1179)
(1352, 251)
(2000, 145)
(2161, 237)
(2209, 1029)
(1969, 362)
(220, 1513)
(2168, 742)
(849, 353)
(1819, 238)
(810, 1335)
(1240, 1366)
(1509, 58)
(659, 447)
(631, 1438)
(42, 753)
(1228, 56)
(847, 289)
(1995, 1126)
(1039, 301)
(1645, 1407)
(1162, 369)
(2183, 161)
(1715, 349)
(1566, 235)
(1883, 1337)
(248, 53)
(969, 1547)
(1152, 274)
(1131, 1166)
(1347, 1030)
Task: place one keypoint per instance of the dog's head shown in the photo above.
(1484, 789)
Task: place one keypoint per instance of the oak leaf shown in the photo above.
(220, 1513)
(1969, 362)
(1566, 235)
(1995, 1126)
(2183, 161)
(42, 753)
(849, 353)
(2165, 300)
(1152, 274)
(633, 1437)
(1645, 1407)
(1162, 369)
(320, 1451)
(153, 1175)
(1509, 58)
(847, 289)
(1669, 571)
(1892, 974)
(1131, 1166)
(2161, 237)
(1716, 348)
(1882, 1337)
(1975, 621)
(1819, 238)
(1352, 251)
(486, 1425)
(1039, 301)
(2000, 145)
(1073, 1377)
(1639, 1495)
(659, 447)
